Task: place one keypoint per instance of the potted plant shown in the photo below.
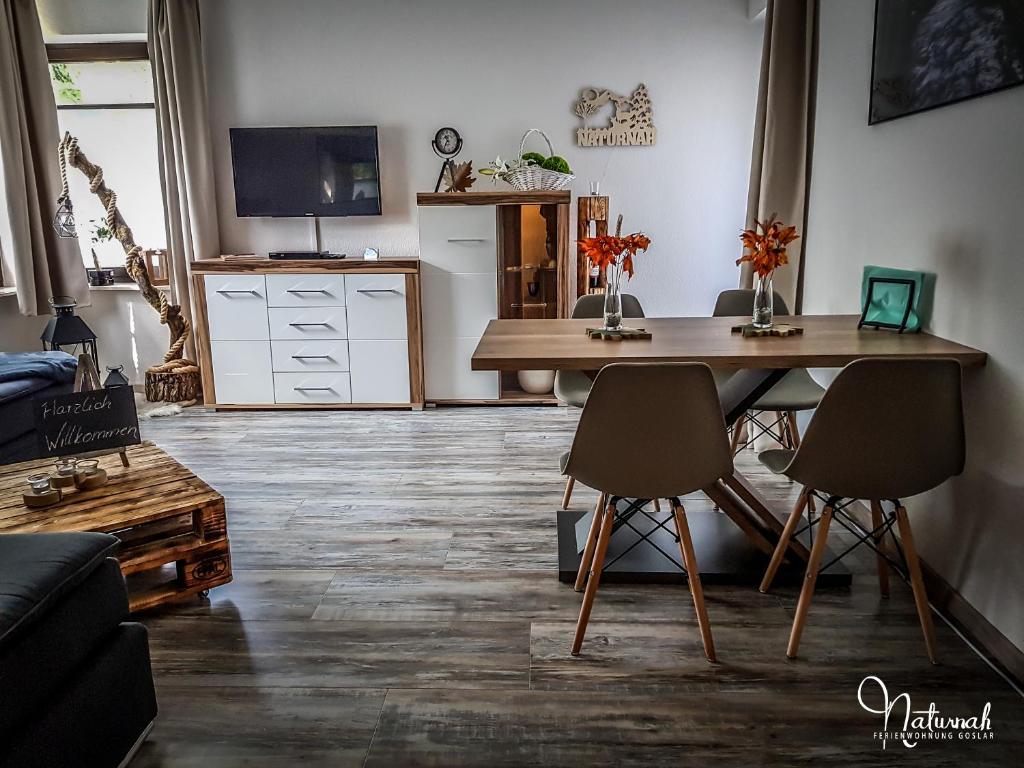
(99, 232)
(764, 247)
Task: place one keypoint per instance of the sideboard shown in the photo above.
(309, 334)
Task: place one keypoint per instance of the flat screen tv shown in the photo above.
(330, 171)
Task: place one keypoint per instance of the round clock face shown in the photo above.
(448, 141)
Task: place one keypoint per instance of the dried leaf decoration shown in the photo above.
(605, 250)
(764, 245)
(458, 177)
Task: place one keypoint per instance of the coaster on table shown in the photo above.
(776, 330)
(622, 334)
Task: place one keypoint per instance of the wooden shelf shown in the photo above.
(498, 197)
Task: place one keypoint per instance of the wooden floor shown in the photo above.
(395, 603)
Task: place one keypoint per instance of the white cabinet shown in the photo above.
(458, 253)
(242, 373)
(321, 388)
(380, 370)
(313, 323)
(329, 355)
(312, 339)
(301, 290)
(376, 307)
(447, 375)
(236, 306)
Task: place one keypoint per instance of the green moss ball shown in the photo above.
(533, 157)
(556, 163)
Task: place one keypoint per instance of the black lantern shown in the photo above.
(115, 377)
(66, 329)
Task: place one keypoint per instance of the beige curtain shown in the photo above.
(186, 157)
(44, 265)
(783, 132)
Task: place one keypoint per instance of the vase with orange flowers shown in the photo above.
(764, 247)
(614, 254)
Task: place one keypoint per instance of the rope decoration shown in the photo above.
(170, 314)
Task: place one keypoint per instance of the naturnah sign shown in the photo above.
(95, 420)
(903, 723)
(630, 119)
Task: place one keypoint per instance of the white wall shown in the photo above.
(127, 329)
(940, 191)
(493, 69)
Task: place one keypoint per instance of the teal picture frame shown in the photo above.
(891, 299)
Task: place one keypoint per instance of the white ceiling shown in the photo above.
(65, 20)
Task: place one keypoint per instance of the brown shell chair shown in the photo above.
(648, 431)
(573, 387)
(797, 391)
(885, 430)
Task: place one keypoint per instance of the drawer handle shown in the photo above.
(313, 389)
(307, 290)
(238, 290)
(302, 325)
(467, 239)
(377, 290)
(312, 357)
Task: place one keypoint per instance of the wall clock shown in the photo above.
(447, 143)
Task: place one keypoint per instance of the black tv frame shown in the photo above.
(234, 171)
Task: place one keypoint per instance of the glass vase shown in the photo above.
(764, 308)
(613, 299)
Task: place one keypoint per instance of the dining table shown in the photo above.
(734, 541)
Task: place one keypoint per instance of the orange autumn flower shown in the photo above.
(764, 246)
(606, 250)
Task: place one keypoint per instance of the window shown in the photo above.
(108, 106)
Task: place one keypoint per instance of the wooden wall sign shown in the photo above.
(630, 124)
(82, 422)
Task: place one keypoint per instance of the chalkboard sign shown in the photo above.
(94, 420)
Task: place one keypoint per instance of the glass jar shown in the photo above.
(764, 301)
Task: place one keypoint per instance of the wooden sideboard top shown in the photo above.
(258, 266)
(497, 197)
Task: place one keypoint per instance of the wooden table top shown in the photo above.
(828, 341)
(154, 487)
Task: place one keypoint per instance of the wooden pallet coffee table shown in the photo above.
(161, 512)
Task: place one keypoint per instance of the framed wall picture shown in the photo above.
(928, 53)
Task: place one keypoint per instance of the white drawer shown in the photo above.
(236, 307)
(305, 356)
(380, 370)
(458, 304)
(448, 375)
(459, 238)
(313, 323)
(297, 290)
(376, 307)
(241, 372)
(312, 388)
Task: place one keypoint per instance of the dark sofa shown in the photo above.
(23, 376)
(76, 688)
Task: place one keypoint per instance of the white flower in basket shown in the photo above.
(527, 175)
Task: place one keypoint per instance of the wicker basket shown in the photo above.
(531, 178)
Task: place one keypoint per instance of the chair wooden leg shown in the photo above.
(883, 564)
(588, 548)
(657, 505)
(737, 432)
(568, 492)
(787, 534)
(809, 581)
(595, 578)
(693, 577)
(794, 430)
(924, 612)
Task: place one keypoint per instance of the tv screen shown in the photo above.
(306, 171)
